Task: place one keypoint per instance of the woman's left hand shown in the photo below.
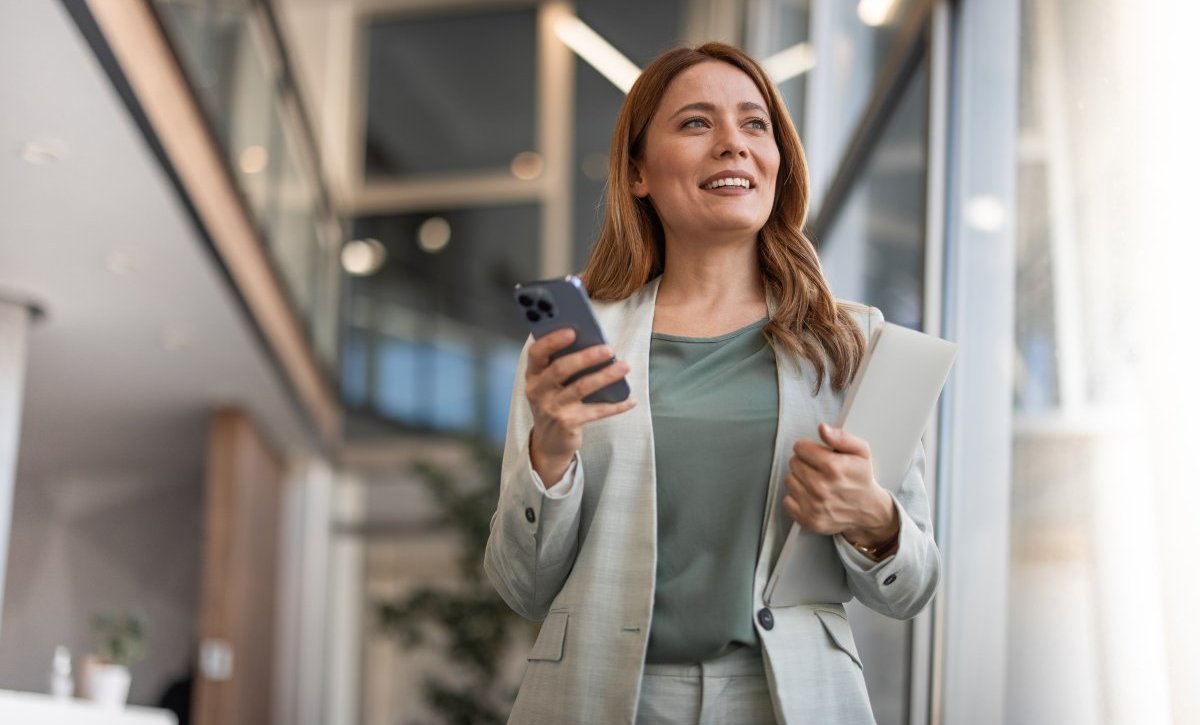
(831, 489)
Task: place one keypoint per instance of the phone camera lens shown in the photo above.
(533, 316)
(525, 300)
(543, 305)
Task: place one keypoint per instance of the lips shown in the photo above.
(730, 178)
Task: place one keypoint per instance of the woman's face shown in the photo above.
(709, 159)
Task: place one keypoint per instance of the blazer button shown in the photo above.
(766, 619)
(530, 517)
(891, 578)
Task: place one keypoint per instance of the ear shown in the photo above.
(637, 184)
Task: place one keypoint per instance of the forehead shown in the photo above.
(713, 82)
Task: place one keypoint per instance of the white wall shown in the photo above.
(81, 543)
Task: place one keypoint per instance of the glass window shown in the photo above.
(355, 374)
(786, 26)
(597, 100)
(501, 372)
(1102, 626)
(439, 327)
(854, 41)
(208, 36)
(450, 94)
(292, 229)
(875, 250)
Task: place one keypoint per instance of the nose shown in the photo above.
(729, 143)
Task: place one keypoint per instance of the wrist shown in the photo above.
(550, 468)
(882, 529)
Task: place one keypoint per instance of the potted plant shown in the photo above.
(467, 622)
(120, 641)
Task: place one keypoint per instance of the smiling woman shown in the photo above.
(709, 166)
(644, 537)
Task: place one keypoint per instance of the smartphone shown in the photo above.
(553, 304)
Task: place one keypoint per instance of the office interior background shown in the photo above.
(255, 258)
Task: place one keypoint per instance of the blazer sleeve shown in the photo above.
(902, 584)
(535, 531)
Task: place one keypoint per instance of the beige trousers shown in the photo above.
(730, 689)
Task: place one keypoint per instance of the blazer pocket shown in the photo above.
(549, 644)
(838, 629)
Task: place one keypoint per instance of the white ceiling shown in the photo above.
(106, 400)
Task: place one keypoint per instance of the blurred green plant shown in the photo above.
(120, 638)
(468, 623)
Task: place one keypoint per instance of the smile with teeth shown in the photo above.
(731, 181)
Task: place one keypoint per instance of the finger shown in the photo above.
(843, 441)
(589, 384)
(795, 486)
(812, 453)
(566, 366)
(801, 484)
(542, 348)
(596, 411)
(796, 511)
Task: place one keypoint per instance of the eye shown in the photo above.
(695, 123)
(759, 124)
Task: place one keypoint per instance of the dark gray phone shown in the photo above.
(553, 304)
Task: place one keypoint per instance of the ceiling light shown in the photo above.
(527, 165)
(362, 257)
(985, 213)
(434, 234)
(597, 51)
(42, 151)
(125, 260)
(876, 12)
(253, 159)
(790, 62)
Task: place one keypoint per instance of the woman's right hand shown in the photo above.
(559, 412)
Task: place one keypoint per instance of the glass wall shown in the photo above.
(237, 70)
(431, 334)
(875, 251)
(430, 109)
(857, 46)
(597, 100)
(1104, 497)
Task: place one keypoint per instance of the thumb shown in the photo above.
(840, 440)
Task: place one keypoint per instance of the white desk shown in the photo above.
(30, 708)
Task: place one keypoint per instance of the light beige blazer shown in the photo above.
(581, 556)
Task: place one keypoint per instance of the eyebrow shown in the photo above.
(704, 106)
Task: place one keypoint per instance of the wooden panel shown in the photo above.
(238, 600)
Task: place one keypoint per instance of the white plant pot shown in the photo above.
(108, 685)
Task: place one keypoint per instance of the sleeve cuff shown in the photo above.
(855, 557)
(563, 487)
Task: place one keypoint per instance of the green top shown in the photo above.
(714, 402)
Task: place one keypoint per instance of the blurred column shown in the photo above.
(556, 99)
(974, 492)
(14, 329)
(301, 650)
(347, 608)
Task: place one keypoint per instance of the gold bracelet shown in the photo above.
(877, 551)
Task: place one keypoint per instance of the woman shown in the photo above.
(645, 537)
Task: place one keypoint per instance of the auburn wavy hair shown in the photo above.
(807, 322)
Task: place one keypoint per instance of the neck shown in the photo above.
(705, 275)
